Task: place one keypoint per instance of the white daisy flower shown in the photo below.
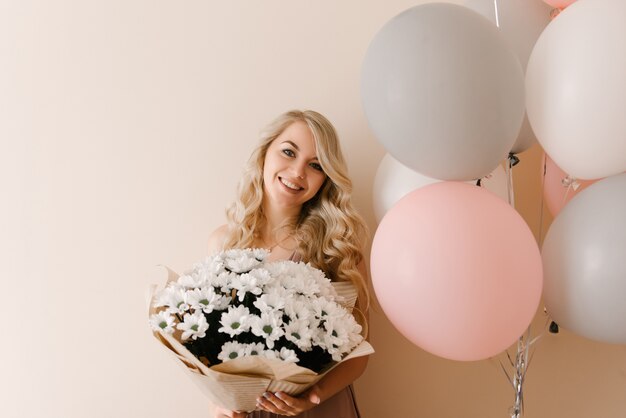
(299, 333)
(247, 283)
(267, 326)
(188, 281)
(207, 300)
(231, 350)
(270, 301)
(235, 321)
(298, 308)
(255, 349)
(173, 298)
(260, 254)
(288, 355)
(194, 326)
(341, 336)
(163, 322)
(323, 309)
(223, 281)
(240, 261)
(324, 284)
(212, 266)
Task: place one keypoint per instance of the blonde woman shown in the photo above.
(295, 200)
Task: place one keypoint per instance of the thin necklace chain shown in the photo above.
(270, 248)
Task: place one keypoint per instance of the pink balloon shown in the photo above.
(457, 271)
(558, 189)
(559, 4)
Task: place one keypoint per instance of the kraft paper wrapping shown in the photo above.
(236, 384)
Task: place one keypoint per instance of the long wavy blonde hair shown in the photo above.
(329, 232)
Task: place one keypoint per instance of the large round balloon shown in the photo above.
(585, 264)
(576, 89)
(456, 270)
(394, 180)
(443, 91)
(521, 22)
(558, 187)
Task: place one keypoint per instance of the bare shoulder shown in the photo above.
(217, 238)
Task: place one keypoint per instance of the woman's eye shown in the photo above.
(316, 166)
(289, 153)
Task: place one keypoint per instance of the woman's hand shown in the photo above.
(283, 404)
(225, 413)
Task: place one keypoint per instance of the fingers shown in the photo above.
(281, 403)
(313, 396)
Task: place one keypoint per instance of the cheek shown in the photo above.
(319, 183)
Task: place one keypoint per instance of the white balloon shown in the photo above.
(584, 262)
(443, 92)
(576, 89)
(521, 22)
(394, 180)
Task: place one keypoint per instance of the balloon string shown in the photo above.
(568, 188)
(523, 359)
(512, 161)
(495, 6)
(543, 189)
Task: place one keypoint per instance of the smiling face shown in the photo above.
(292, 174)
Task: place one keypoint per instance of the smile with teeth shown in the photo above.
(290, 185)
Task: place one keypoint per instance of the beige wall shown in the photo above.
(123, 129)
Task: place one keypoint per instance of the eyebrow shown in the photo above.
(297, 148)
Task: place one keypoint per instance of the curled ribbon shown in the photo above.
(570, 181)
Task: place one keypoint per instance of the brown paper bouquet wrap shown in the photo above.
(237, 383)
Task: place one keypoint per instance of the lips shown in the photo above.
(290, 185)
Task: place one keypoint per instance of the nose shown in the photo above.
(299, 169)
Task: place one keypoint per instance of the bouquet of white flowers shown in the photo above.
(247, 326)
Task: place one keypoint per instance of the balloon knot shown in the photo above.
(513, 159)
(555, 12)
(554, 327)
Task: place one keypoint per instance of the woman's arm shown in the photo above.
(337, 379)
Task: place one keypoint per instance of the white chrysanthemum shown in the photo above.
(296, 278)
(325, 287)
(247, 283)
(324, 309)
(163, 322)
(255, 349)
(341, 336)
(193, 325)
(231, 350)
(268, 326)
(300, 333)
(260, 253)
(188, 281)
(223, 281)
(271, 354)
(288, 355)
(240, 261)
(298, 308)
(271, 301)
(211, 266)
(173, 298)
(207, 300)
(235, 321)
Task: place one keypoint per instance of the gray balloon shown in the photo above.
(443, 92)
(521, 22)
(584, 257)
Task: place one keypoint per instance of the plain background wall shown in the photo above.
(124, 126)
